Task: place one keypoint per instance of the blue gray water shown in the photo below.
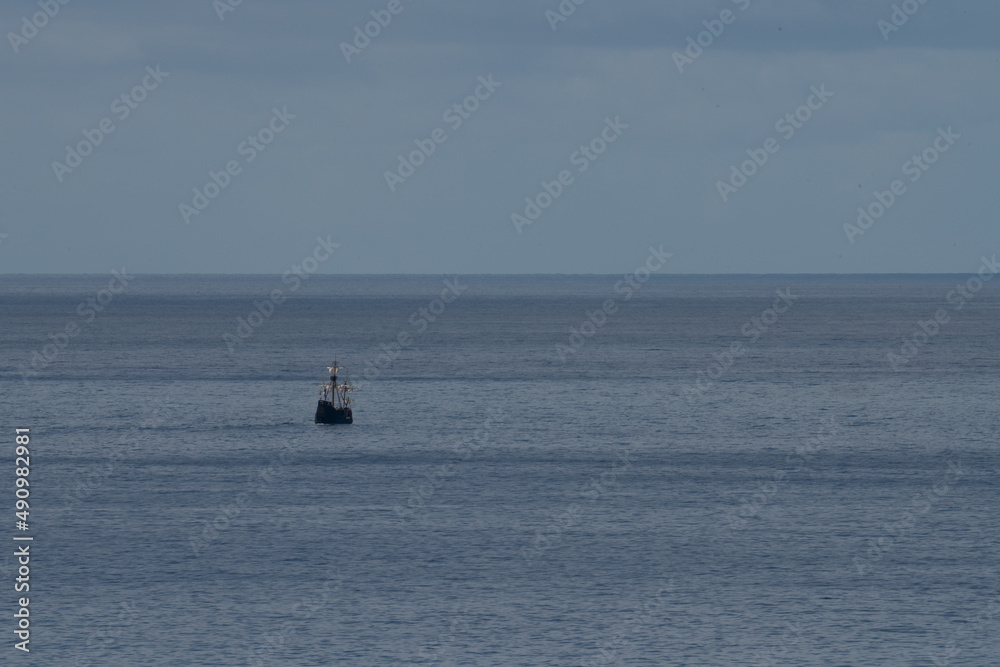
(677, 486)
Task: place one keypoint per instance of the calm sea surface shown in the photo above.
(703, 474)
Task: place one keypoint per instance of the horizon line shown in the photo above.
(402, 275)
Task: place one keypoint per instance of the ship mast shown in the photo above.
(333, 382)
(345, 389)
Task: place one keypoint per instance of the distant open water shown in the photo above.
(494, 504)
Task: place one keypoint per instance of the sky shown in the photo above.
(593, 113)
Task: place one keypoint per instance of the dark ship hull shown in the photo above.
(327, 414)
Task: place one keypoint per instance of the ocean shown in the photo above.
(542, 470)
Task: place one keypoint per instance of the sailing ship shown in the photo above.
(335, 403)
